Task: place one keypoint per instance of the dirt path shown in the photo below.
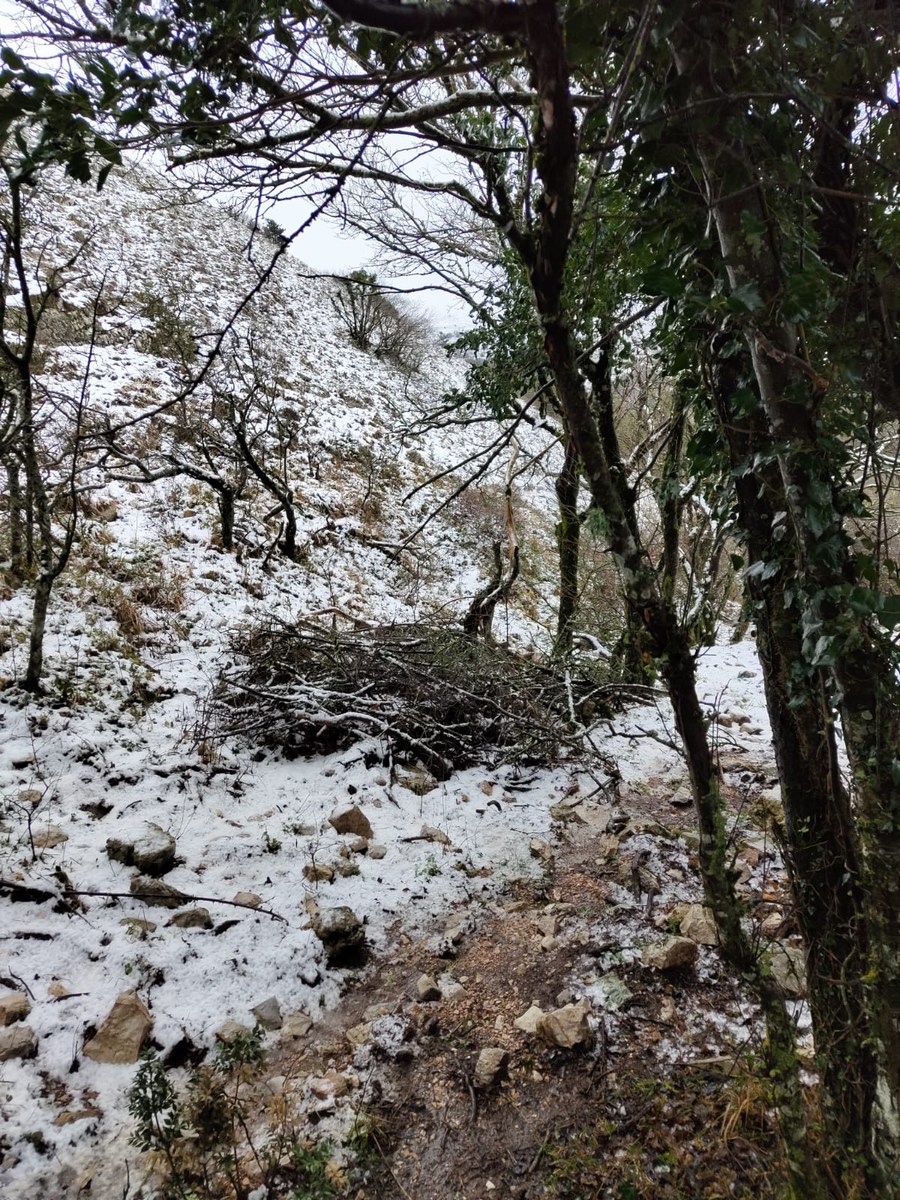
(624, 1116)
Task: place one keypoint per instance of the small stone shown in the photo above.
(486, 786)
(451, 989)
(667, 1010)
(331, 1085)
(376, 851)
(347, 869)
(548, 925)
(70, 1116)
(596, 818)
(19, 1041)
(566, 1027)
(427, 988)
(542, 850)
(350, 819)
(123, 1033)
(47, 838)
(490, 1067)
(418, 781)
(358, 845)
(192, 918)
(59, 991)
(229, 1030)
(268, 1014)
(137, 926)
(318, 873)
(548, 944)
(698, 925)
(674, 953)
(250, 899)
(359, 1035)
(529, 1020)
(152, 852)
(156, 893)
(374, 1012)
(14, 1006)
(296, 1025)
(430, 833)
(683, 798)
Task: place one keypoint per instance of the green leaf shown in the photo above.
(745, 298)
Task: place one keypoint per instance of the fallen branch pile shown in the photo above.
(430, 692)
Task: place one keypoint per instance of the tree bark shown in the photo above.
(568, 542)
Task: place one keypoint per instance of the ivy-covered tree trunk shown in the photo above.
(814, 640)
(818, 836)
(568, 543)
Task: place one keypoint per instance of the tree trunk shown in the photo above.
(568, 540)
(226, 517)
(43, 589)
(16, 525)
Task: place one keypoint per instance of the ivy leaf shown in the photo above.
(745, 298)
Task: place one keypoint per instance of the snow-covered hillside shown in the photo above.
(139, 630)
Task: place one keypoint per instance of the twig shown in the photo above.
(183, 899)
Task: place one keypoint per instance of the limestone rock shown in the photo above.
(490, 1067)
(538, 848)
(46, 839)
(138, 927)
(152, 852)
(121, 1037)
(427, 988)
(157, 893)
(329, 1086)
(788, 967)
(528, 1022)
(595, 817)
(430, 833)
(674, 953)
(346, 869)
(19, 1041)
(698, 925)
(358, 845)
(351, 819)
(451, 989)
(376, 851)
(229, 1030)
(70, 1116)
(566, 1027)
(342, 934)
(250, 899)
(318, 873)
(14, 1006)
(296, 1025)
(192, 918)
(268, 1014)
(548, 924)
(358, 1035)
